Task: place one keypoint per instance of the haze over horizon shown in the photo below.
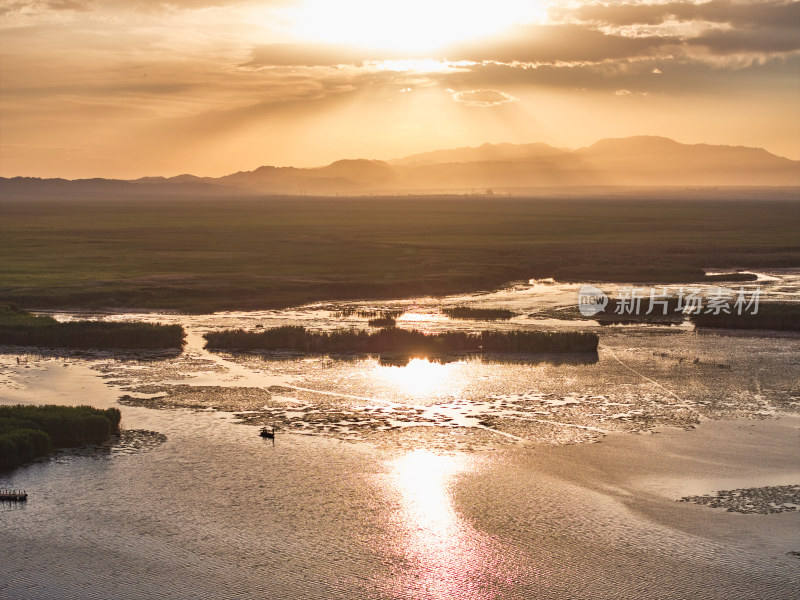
(639, 161)
(146, 88)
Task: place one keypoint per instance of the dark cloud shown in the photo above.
(571, 45)
(557, 43)
(676, 77)
(529, 44)
(565, 45)
(735, 13)
(758, 40)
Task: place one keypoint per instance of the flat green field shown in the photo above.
(210, 254)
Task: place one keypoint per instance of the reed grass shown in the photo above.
(27, 432)
(403, 341)
(21, 328)
(382, 322)
(478, 314)
(617, 313)
(775, 316)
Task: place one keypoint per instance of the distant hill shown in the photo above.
(340, 176)
(648, 160)
(632, 161)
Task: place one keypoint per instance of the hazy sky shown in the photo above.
(125, 88)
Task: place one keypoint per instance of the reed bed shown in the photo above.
(621, 312)
(27, 432)
(775, 316)
(382, 322)
(478, 314)
(403, 341)
(21, 328)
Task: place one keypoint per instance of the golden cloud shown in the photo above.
(483, 97)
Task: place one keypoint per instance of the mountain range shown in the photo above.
(510, 168)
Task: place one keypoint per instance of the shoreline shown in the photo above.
(400, 291)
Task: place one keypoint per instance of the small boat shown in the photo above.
(13, 495)
(268, 433)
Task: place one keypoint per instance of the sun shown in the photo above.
(412, 26)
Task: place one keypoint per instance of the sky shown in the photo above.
(129, 88)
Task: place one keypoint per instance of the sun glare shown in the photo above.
(450, 559)
(411, 25)
(420, 377)
(423, 478)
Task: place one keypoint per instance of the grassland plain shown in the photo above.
(200, 255)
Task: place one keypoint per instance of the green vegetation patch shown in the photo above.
(382, 322)
(403, 341)
(617, 312)
(777, 316)
(27, 432)
(21, 328)
(731, 277)
(478, 314)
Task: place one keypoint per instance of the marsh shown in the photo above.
(469, 478)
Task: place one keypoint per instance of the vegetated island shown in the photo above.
(731, 277)
(377, 318)
(21, 328)
(403, 342)
(478, 314)
(775, 316)
(27, 432)
(382, 322)
(623, 312)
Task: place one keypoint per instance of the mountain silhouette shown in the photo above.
(632, 161)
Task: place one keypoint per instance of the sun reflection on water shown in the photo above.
(446, 557)
(421, 377)
(423, 479)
